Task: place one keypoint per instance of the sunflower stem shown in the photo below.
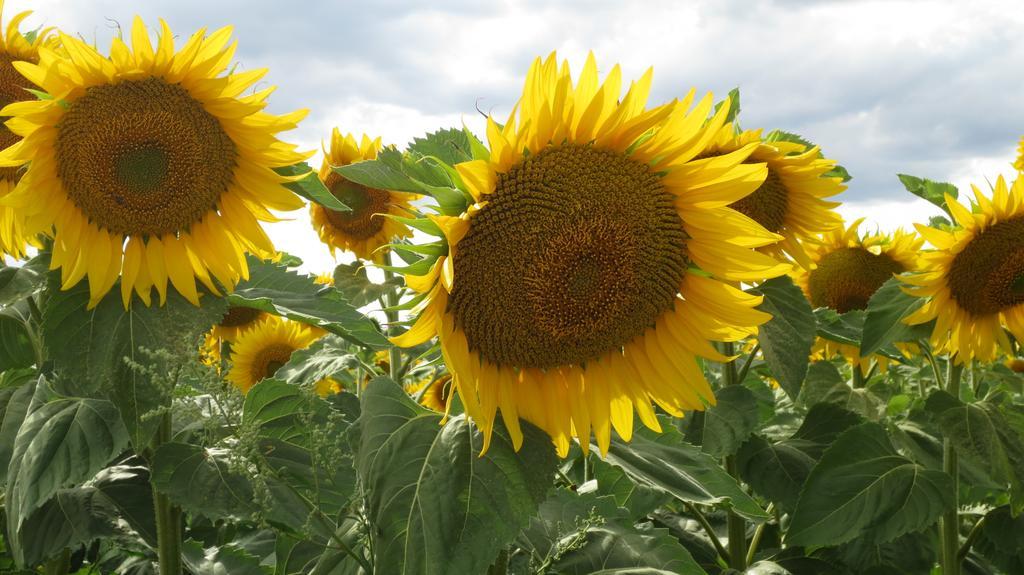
(951, 519)
(758, 534)
(392, 297)
(706, 525)
(737, 526)
(746, 365)
(168, 515)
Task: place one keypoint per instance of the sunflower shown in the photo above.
(15, 47)
(569, 294)
(436, 396)
(846, 269)
(363, 230)
(790, 201)
(1019, 164)
(327, 386)
(974, 279)
(260, 351)
(149, 165)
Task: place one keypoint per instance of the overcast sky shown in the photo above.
(927, 88)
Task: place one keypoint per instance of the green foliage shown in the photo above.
(982, 433)
(277, 290)
(934, 192)
(667, 463)
(863, 488)
(351, 280)
(730, 421)
(787, 338)
(883, 322)
(437, 505)
(311, 188)
(62, 442)
(127, 355)
(16, 346)
(20, 282)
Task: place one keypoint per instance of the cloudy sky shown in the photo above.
(926, 88)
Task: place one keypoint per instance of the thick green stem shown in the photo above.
(391, 300)
(758, 534)
(951, 520)
(59, 565)
(712, 536)
(737, 526)
(168, 515)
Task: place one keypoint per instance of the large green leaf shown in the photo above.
(91, 349)
(883, 324)
(585, 533)
(982, 434)
(822, 376)
(202, 480)
(220, 560)
(435, 503)
(20, 282)
(412, 172)
(16, 347)
(311, 188)
(668, 463)
(863, 488)
(1000, 539)
(128, 490)
(275, 289)
(843, 328)
(61, 443)
(934, 192)
(730, 421)
(639, 500)
(15, 398)
(451, 146)
(778, 470)
(353, 283)
(787, 338)
(327, 357)
(73, 517)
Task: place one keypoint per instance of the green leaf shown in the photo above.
(863, 488)
(999, 539)
(587, 533)
(639, 500)
(730, 421)
(16, 348)
(667, 463)
(845, 328)
(275, 289)
(787, 338)
(311, 188)
(934, 192)
(91, 349)
(838, 172)
(981, 433)
(15, 398)
(326, 357)
(778, 470)
(202, 480)
(886, 310)
(783, 136)
(451, 146)
(128, 490)
(351, 280)
(822, 376)
(20, 282)
(437, 505)
(734, 105)
(861, 400)
(222, 560)
(383, 173)
(412, 173)
(73, 517)
(60, 444)
(910, 553)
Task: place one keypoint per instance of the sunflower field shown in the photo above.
(611, 336)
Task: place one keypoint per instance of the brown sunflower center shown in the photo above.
(987, 276)
(767, 205)
(143, 157)
(270, 359)
(239, 316)
(360, 223)
(847, 278)
(576, 252)
(12, 89)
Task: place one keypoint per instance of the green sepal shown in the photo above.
(934, 192)
(310, 187)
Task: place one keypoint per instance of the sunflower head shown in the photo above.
(436, 395)
(847, 268)
(327, 386)
(791, 199)
(568, 294)
(15, 47)
(974, 278)
(365, 228)
(1019, 163)
(260, 351)
(150, 165)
